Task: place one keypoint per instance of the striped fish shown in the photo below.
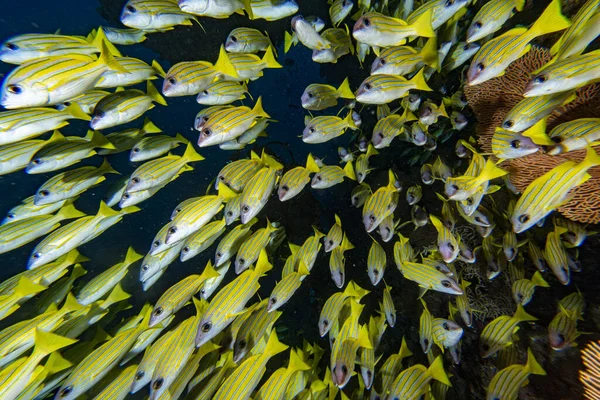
(266, 9)
(376, 263)
(230, 301)
(573, 303)
(403, 251)
(253, 329)
(154, 15)
(153, 266)
(460, 54)
(462, 304)
(19, 125)
(74, 234)
(339, 10)
(507, 382)
(60, 152)
(233, 210)
(381, 204)
(222, 92)
(246, 40)
(220, 10)
(324, 128)
(125, 140)
(145, 340)
(387, 128)
(192, 77)
(124, 106)
(248, 137)
(447, 243)
(231, 243)
(309, 250)
(425, 328)
(294, 180)
(446, 333)
(550, 190)
(508, 144)
(387, 227)
(337, 262)
(250, 67)
(392, 366)
(124, 36)
(334, 236)
(562, 330)
(498, 333)
(23, 231)
(16, 156)
(344, 359)
(162, 170)
(86, 101)
(388, 306)
(414, 381)
(576, 233)
(556, 257)
(460, 188)
(318, 96)
(574, 135)
(212, 382)
(53, 80)
(362, 163)
(286, 287)
(252, 247)
(496, 55)
(402, 60)
(100, 361)
(137, 72)
(244, 379)
(103, 283)
(530, 110)
(238, 173)
(341, 44)
(257, 192)
(414, 194)
(375, 29)
(229, 123)
(54, 365)
(155, 146)
(128, 199)
(69, 184)
(202, 240)
(441, 11)
(275, 387)
(334, 304)
(577, 37)
(383, 89)
(491, 17)
(360, 194)
(25, 288)
(118, 388)
(307, 34)
(522, 289)
(429, 278)
(331, 175)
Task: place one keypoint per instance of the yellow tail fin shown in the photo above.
(98, 140)
(224, 65)
(349, 171)
(154, 94)
(532, 366)
(27, 287)
(591, 159)
(422, 25)
(269, 59)
(46, 342)
(191, 155)
(429, 53)
(76, 112)
(550, 21)
(108, 59)
(159, 69)
(69, 211)
(149, 127)
(258, 109)
(537, 133)
(311, 165)
(132, 256)
(344, 90)
(436, 371)
(419, 82)
(99, 38)
(274, 346)
(288, 42)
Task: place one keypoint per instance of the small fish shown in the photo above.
(383, 89)
(334, 304)
(403, 60)
(292, 39)
(446, 242)
(376, 263)
(491, 18)
(462, 304)
(376, 29)
(16, 156)
(387, 228)
(583, 30)
(25, 289)
(441, 11)
(294, 180)
(459, 120)
(429, 278)
(126, 36)
(137, 72)
(319, 96)
(507, 382)
(265, 9)
(339, 10)
(414, 195)
(388, 306)
(575, 234)
(419, 134)
(337, 262)
(222, 92)
(251, 249)
(387, 128)
(555, 255)
(414, 381)
(403, 251)
(256, 194)
(331, 175)
(124, 140)
(160, 15)
(412, 102)
(573, 135)
(462, 187)
(250, 66)
(246, 40)
(381, 204)
(344, 356)
(427, 174)
(362, 163)
(334, 236)
(324, 128)
(523, 289)
(360, 194)
(446, 333)
(238, 173)
(86, 101)
(155, 146)
(460, 54)
(507, 144)
(202, 240)
(498, 333)
(530, 110)
(307, 34)
(496, 55)
(275, 387)
(230, 244)
(429, 112)
(286, 287)
(341, 44)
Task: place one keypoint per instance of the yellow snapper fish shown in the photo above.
(496, 55)
(292, 39)
(556, 256)
(462, 304)
(583, 31)
(360, 194)
(308, 252)
(530, 110)
(414, 381)
(22, 124)
(414, 194)
(569, 136)
(318, 96)
(124, 106)
(103, 283)
(507, 382)
(25, 288)
(286, 287)
(362, 163)
(294, 180)
(137, 72)
(244, 379)
(389, 127)
(222, 92)
(381, 204)
(550, 191)
(37, 386)
(324, 128)
(15, 378)
(523, 289)
(459, 54)
(251, 247)
(271, 11)
(154, 16)
(228, 124)
(375, 29)
(53, 80)
(99, 362)
(430, 278)
(344, 359)
(254, 327)
(446, 333)
(334, 236)
(393, 365)
(402, 60)
(341, 44)
(498, 334)
(250, 66)
(462, 187)
(74, 234)
(274, 387)
(60, 152)
(238, 173)
(331, 175)
(575, 234)
(126, 139)
(562, 330)
(256, 194)
(230, 301)
(231, 242)
(491, 18)
(441, 11)
(202, 240)
(160, 171)
(124, 36)
(383, 89)
(507, 144)
(388, 308)
(118, 389)
(307, 34)
(71, 183)
(246, 40)
(23, 231)
(376, 263)
(339, 10)
(334, 304)
(430, 112)
(155, 146)
(192, 77)
(337, 262)
(248, 137)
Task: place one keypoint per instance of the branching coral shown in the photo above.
(491, 102)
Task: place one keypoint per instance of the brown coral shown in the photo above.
(590, 377)
(492, 100)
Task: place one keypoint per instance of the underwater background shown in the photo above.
(281, 90)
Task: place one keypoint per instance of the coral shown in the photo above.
(590, 376)
(491, 102)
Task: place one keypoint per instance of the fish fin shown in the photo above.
(116, 295)
(181, 139)
(74, 256)
(294, 248)
(108, 58)
(344, 90)
(538, 280)
(106, 168)
(69, 211)
(346, 245)
(129, 210)
(270, 60)
(76, 112)
(422, 25)
(537, 133)
(273, 346)
(522, 316)
(350, 121)
(429, 53)
(56, 135)
(591, 159)
(224, 64)
(436, 222)
(491, 171)
(296, 363)
(258, 109)
(311, 165)
(419, 82)
(105, 211)
(225, 192)
(263, 265)
(71, 304)
(27, 287)
(99, 37)
(288, 42)
(492, 189)
(371, 151)
(551, 20)
(442, 110)
(532, 366)
(349, 171)
(191, 155)
(303, 269)
(56, 363)
(149, 127)
(47, 343)
(97, 139)
(154, 94)
(78, 272)
(159, 69)
(436, 371)
(338, 221)
(132, 256)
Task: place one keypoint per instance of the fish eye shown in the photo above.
(219, 254)
(156, 243)
(136, 149)
(186, 249)
(454, 187)
(66, 391)
(99, 114)
(368, 86)
(145, 267)
(426, 342)
(470, 203)
(515, 144)
(359, 174)
(310, 95)
(285, 188)
(10, 216)
(367, 22)
(37, 161)
(523, 218)
(508, 124)
(380, 134)
(37, 255)
(242, 344)
(344, 369)
(206, 132)
(67, 103)
(372, 218)
(158, 311)
(478, 219)
(131, 9)
(245, 209)
(477, 25)
(480, 67)
(15, 89)
(539, 79)
(157, 384)
(382, 61)
(449, 3)
(445, 326)
(126, 196)
(376, 271)
(241, 261)
(172, 230)
(206, 327)
(561, 337)
(139, 375)
(172, 81)
(466, 47)
(485, 347)
(205, 118)
(325, 322)
(311, 129)
(229, 214)
(205, 92)
(446, 283)
(234, 39)
(319, 178)
(44, 193)
(202, 291)
(463, 98)
(11, 46)
(135, 180)
(273, 300)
